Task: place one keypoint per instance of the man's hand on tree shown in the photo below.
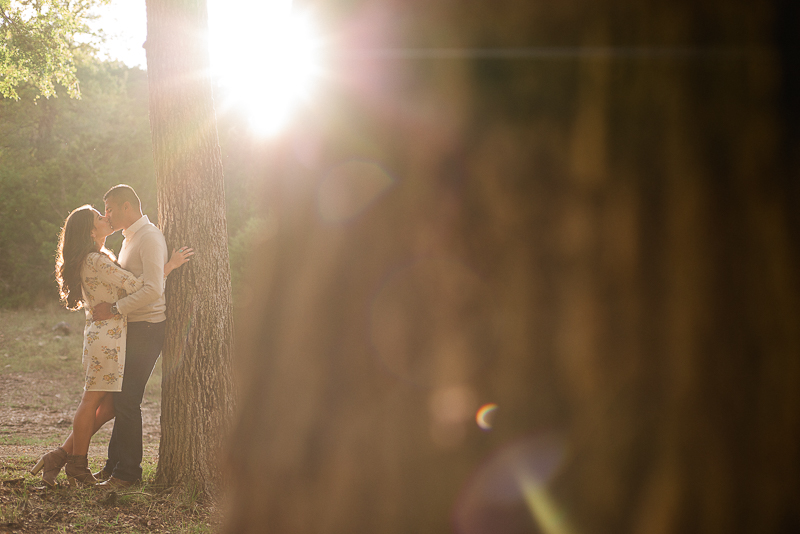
(102, 312)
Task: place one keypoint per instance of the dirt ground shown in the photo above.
(41, 385)
(36, 415)
(41, 382)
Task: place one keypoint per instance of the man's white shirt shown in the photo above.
(144, 254)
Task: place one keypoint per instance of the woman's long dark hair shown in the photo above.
(74, 244)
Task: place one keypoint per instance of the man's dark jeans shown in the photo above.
(143, 347)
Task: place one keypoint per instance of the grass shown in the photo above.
(25, 507)
(28, 342)
(29, 441)
(40, 387)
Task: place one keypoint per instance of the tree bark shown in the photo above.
(196, 381)
(599, 238)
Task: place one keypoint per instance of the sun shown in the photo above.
(266, 57)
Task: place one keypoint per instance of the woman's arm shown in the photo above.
(116, 275)
(179, 257)
(109, 272)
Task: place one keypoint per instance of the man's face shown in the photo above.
(114, 213)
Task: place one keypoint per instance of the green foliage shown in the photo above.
(38, 44)
(58, 154)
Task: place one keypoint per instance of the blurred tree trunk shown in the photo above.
(602, 243)
(196, 381)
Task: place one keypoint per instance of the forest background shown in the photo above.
(59, 153)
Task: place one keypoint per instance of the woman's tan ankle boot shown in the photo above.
(50, 464)
(78, 472)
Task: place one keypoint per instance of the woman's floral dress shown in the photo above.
(102, 280)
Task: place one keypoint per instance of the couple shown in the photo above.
(125, 326)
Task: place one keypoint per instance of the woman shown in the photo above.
(86, 275)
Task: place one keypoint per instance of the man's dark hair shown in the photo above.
(122, 193)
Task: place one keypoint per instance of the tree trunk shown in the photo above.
(602, 242)
(196, 382)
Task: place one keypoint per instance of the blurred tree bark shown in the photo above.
(599, 236)
(196, 381)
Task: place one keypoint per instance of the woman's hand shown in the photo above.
(179, 257)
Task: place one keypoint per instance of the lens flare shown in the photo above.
(509, 493)
(545, 510)
(267, 63)
(350, 188)
(485, 416)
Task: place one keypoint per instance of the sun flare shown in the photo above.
(267, 61)
(265, 56)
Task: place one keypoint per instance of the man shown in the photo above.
(143, 253)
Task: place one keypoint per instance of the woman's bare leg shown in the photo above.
(103, 414)
(85, 421)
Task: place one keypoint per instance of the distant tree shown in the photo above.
(37, 44)
(196, 385)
